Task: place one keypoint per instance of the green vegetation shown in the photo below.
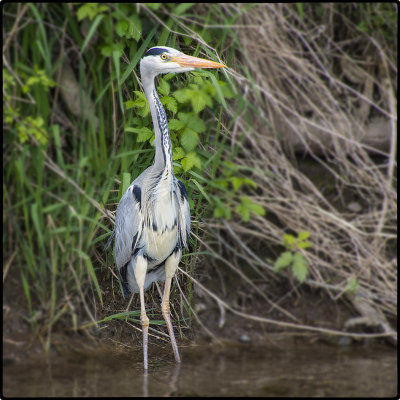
(61, 163)
(292, 257)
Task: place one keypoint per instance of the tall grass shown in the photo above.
(69, 148)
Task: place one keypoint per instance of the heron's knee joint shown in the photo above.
(144, 320)
(165, 308)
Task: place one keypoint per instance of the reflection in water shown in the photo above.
(171, 386)
(241, 370)
(145, 384)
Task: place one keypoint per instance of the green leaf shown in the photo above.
(223, 183)
(300, 267)
(193, 121)
(143, 133)
(90, 10)
(187, 40)
(182, 7)
(199, 100)
(236, 182)
(153, 6)
(303, 235)
(32, 80)
(170, 103)
(141, 103)
(246, 207)
(221, 210)
(190, 160)
(226, 90)
(189, 139)
(178, 153)
(135, 28)
(257, 209)
(250, 182)
(135, 59)
(129, 28)
(300, 10)
(197, 79)
(363, 26)
(175, 124)
(283, 261)
(129, 104)
(244, 212)
(304, 245)
(83, 11)
(164, 87)
(121, 27)
(288, 240)
(251, 206)
(182, 95)
(352, 285)
(106, 51)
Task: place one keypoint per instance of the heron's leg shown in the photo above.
(140, 275)
(171, 264)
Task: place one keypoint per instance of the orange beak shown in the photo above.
(195, 62)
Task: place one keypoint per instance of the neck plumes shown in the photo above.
(163, 156)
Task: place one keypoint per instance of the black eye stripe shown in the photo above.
(155, 51)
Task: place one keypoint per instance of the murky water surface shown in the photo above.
(242, 370)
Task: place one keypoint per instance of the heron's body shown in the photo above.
(153, 217)
(161, 227)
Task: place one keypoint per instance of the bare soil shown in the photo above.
(22, 341)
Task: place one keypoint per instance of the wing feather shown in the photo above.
(183, 213)
(128, 224)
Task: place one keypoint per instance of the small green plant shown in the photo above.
(25, 126)
(292, 257)
(352, 285)
(230, 181)
(247, 206)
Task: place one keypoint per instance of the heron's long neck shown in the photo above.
(163, 156)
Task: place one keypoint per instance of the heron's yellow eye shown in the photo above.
(163, 56)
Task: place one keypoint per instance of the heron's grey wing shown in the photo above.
(183, 213)
(128, 224)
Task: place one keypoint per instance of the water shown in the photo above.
(234, 370)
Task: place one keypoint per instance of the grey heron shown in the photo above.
(152, 222)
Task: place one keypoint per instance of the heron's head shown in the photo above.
(161, 60)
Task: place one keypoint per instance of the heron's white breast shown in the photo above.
(161, 236)
(160, 244)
